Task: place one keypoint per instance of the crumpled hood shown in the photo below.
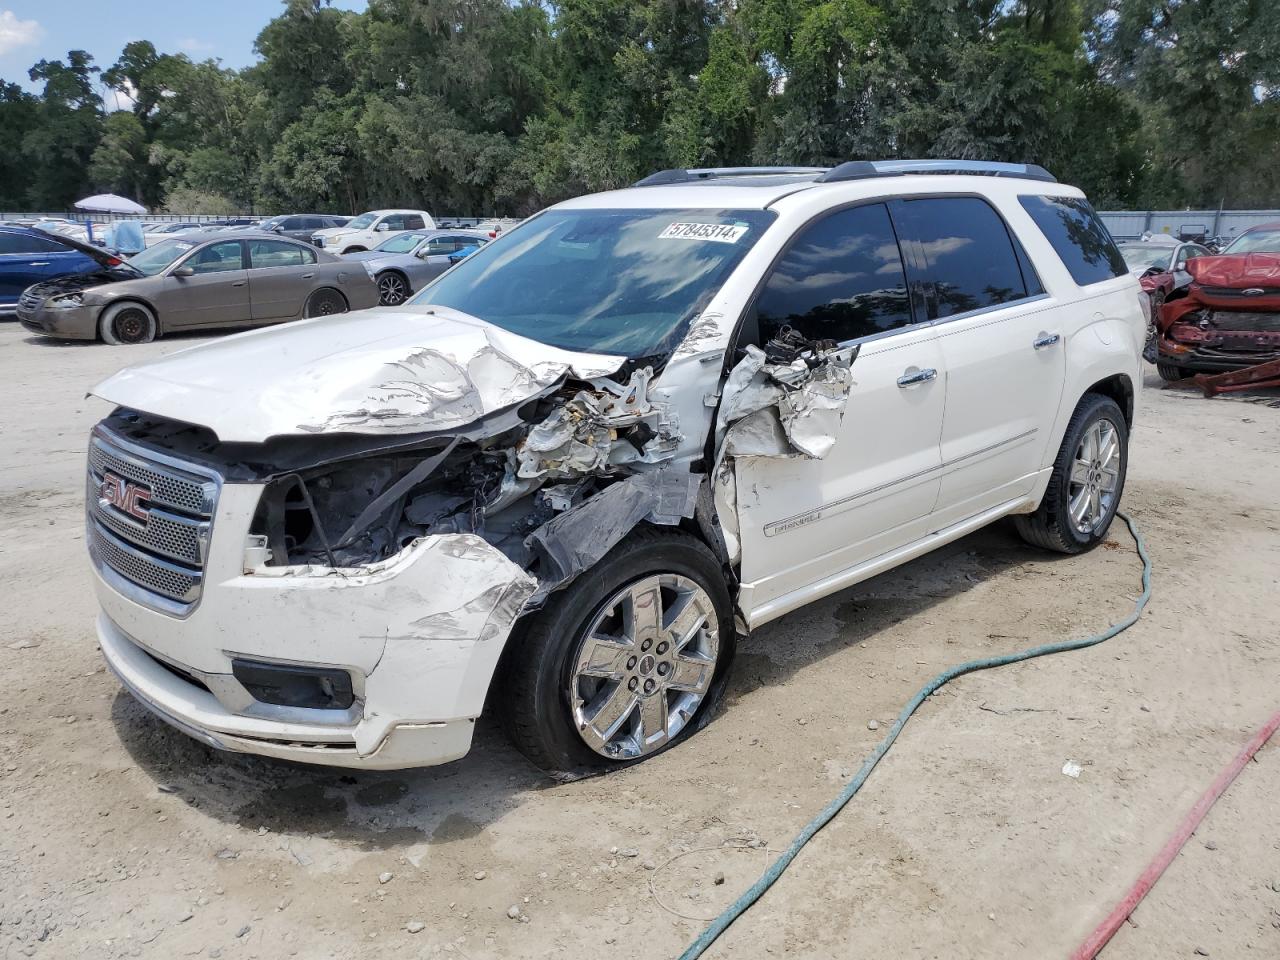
(384, 371)
(1237, 270)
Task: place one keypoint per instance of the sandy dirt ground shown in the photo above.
(122, 838)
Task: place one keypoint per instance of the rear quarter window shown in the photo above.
(1078, 236)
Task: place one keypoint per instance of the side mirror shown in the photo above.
(382, 227)
(183, 272)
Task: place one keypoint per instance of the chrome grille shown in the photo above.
(167, 579)
(158, 558)
(29, 300)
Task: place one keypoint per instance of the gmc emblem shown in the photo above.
(125, 495)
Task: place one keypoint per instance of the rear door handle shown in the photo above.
(239, 283)
(1046, 340)
(40, 263)
(920, 376)
(307, 276)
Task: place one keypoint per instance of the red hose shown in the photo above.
(1106, 930)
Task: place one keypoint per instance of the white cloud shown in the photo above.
(192, 45)
(124, 99)
(15, 33)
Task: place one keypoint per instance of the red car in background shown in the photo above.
(1227, 327)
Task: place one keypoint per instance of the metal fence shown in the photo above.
(79, 216)
(1185, 224)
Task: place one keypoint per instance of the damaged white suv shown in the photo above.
(567, 474)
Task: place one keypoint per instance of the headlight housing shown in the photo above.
(65, 301)
(368, 268)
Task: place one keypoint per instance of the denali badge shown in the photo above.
(125, 495)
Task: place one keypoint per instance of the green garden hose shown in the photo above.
(827, 814)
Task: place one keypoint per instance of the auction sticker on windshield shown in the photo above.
(717, 232)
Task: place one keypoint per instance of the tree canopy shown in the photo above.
(484, 107)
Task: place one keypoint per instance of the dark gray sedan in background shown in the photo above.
(197, 281)
(405, 263)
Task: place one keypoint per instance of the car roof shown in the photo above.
(761, 187)
(762, 192)
(1262, 226)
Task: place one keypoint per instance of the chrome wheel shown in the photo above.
(644, 666)
(1095, 475)
(392, 290)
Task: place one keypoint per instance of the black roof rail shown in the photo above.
(865, 169)
(712, 173)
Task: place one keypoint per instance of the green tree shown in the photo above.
(59, 146)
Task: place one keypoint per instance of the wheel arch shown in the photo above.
(1119, 388)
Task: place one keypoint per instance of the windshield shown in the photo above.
(272, 223)
(1255, 241)
(401, 243)
(154, 259)
(1144, 255)
(603, 281)
(362, 222)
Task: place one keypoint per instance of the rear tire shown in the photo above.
(325, 303)
(1171, 373)
(555, 682)
(1087, 482)
(128, 323)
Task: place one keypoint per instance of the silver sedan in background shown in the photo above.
(195, 281)
(405, 263)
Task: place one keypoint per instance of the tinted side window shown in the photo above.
(22, 243)
(273, 253)
(310, 223)
(1078, 236)
(217, 258)
(413, 222)
(968, 259)
(842, 279)
(438, 246)
(393, 222)
(293, 223)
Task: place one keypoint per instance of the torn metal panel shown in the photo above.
(367, 372)
(706, 334)
(576, 540)
(609, 426)
(784, 409)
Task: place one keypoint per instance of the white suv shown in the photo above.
(572, 470)
(369, 229)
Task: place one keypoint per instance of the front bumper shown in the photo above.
(74, 323)
(420, 635)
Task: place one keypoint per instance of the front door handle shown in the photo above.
(240, 283)
(1046, 340)
(40, 263)
(307, 276)
(920, 376)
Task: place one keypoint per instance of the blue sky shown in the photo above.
(225, 29)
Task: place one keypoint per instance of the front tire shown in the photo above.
(393, 288)
(127, 324)
(1087, 482)
(625, 662)
(324, 303)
